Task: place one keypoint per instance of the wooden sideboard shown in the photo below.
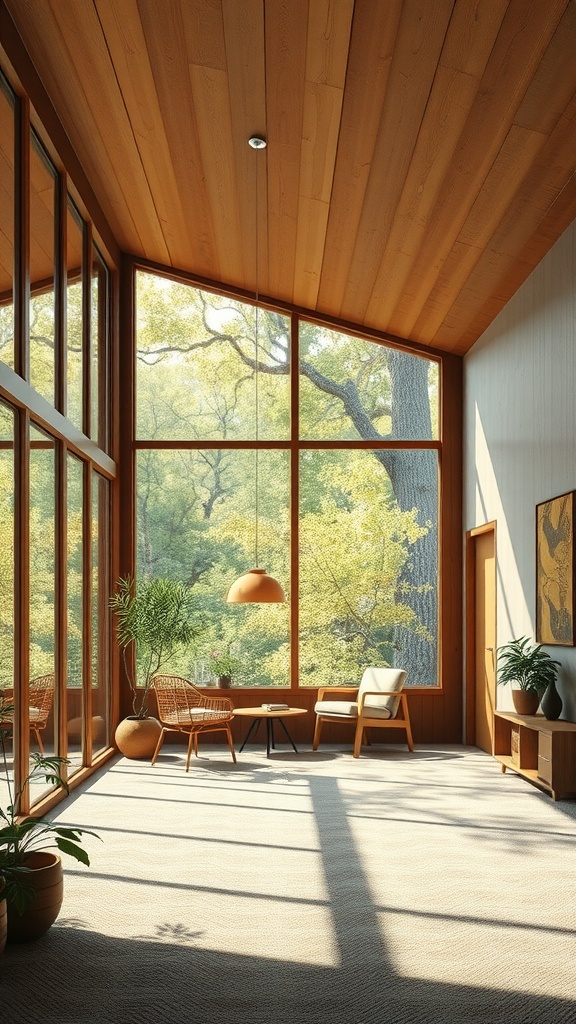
(540, 750)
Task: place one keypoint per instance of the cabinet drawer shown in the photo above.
(545, 745)
(545, 769)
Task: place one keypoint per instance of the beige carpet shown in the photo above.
(310, 888)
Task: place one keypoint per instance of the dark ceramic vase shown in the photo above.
(551, 702)
(224, 682)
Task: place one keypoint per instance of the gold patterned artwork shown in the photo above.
(555, 570)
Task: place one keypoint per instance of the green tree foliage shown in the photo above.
(368, 528)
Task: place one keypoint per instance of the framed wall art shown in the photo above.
(555, 550)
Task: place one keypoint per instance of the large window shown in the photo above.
(347, 461)
(55, 467)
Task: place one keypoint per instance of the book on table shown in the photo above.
(276, 707)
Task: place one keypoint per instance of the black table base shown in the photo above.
(270, 740)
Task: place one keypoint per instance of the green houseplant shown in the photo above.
(223, 665)
(30, 873)
(153, 621)
(526, 664)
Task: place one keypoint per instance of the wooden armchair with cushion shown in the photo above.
(183, 708)
(374, 704)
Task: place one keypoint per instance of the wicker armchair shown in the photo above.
(183, 708)
(40, 701)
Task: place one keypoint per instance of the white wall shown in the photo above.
(520, 436)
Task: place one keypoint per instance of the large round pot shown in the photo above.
(45, 877)
(3, 925)
(526, 701)
(137, 737)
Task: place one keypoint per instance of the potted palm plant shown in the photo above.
(153, 621)
(526, 664)
(31, 883)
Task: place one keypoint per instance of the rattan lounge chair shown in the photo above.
(183, 708)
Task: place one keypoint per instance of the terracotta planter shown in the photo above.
(526, 701)
(45, 876)
(137, 737)
(3, 925)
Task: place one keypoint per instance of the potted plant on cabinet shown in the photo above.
(532, 668)
(153, 620)
(31, 883)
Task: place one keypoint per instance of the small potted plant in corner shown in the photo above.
(223, 665)
(153, 618)
(525, 663)
(31, 882)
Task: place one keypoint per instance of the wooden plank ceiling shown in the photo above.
(421, 153)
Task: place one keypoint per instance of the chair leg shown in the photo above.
(38, 739)
(358, 737)
(409, 741)
(192, 746)
(231, 743)
(317, 730)
(158, 745)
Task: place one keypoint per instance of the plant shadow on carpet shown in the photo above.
(139, 980)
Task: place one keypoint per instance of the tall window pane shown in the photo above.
(74, 318)
(98, 420)
(42, 591)
(368, 565)
(42, 294)
(6, 547)
(100, 612)
(6, 586)
(6, 223)
(196, 523)
(196, 358)
(74, 589)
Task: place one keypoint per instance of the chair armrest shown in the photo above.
(377, 693)
(336, 689)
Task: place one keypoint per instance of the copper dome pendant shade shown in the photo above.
(255, 586)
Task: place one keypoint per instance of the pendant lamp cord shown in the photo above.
(256, 395)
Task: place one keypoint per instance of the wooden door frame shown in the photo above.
(470, 625)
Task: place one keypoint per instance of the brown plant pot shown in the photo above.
(3, 925)
(526, 701)
(137, 737)
(45, 877)
(224, 682)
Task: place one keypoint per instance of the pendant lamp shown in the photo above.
(256, 586)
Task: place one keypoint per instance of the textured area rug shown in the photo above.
(309, 888)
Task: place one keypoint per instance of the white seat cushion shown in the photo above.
(184, 717)
(347, 709)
